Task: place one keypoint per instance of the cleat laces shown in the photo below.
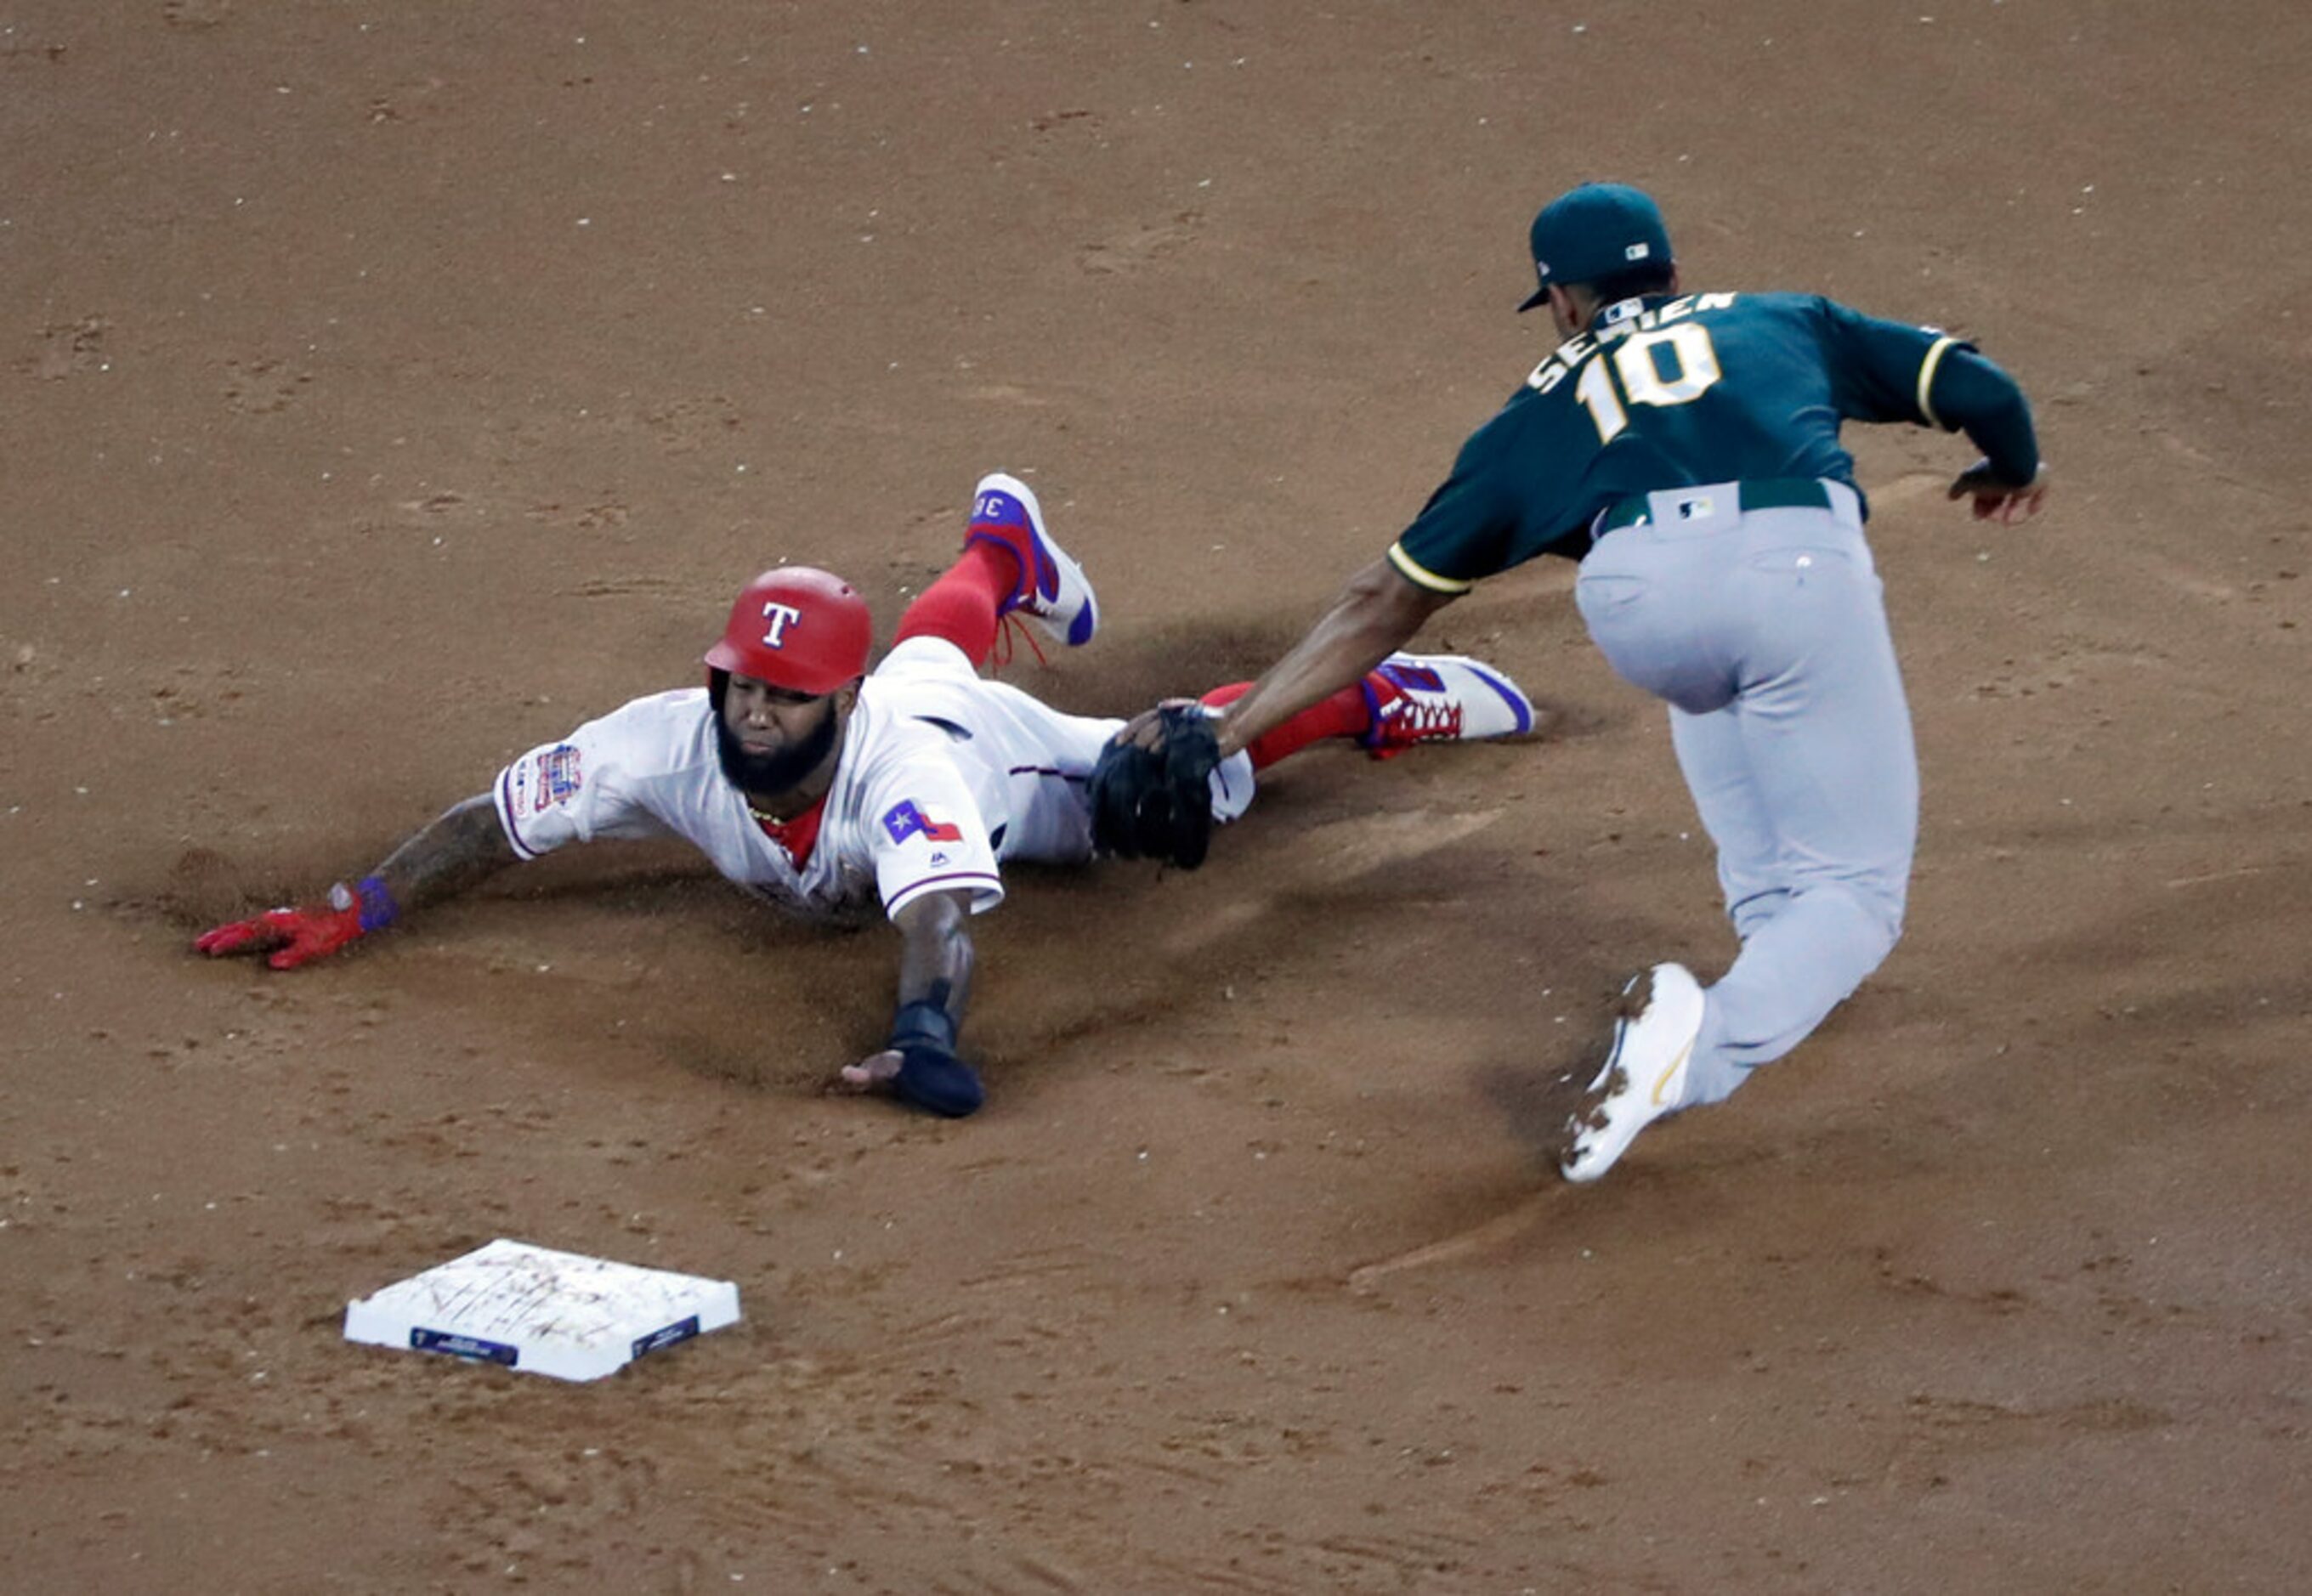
(1411, 719)
(1003, 651)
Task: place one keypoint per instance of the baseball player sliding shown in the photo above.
(1684, 447)
(821, 787)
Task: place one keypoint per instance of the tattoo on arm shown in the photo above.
(935, 953)
(460, 849)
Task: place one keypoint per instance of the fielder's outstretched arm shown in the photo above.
(1975, 396)
(463, 846)
(1376, 614)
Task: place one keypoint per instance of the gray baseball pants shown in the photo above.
(1765, 633)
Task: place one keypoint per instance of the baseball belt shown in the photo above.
(1768, 493)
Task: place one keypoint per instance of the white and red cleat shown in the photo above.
(1439, 698)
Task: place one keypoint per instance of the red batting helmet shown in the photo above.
(796, 628)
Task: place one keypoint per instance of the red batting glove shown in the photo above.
(312, 931)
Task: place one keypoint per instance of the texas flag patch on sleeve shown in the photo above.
(935, 845)
(905, 819)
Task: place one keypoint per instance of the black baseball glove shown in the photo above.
(1157, 803)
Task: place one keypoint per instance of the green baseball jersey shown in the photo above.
(1667, 392)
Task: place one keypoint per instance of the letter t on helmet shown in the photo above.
(797, 628)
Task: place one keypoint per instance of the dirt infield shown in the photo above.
(390, 388)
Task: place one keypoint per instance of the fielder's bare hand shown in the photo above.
(1146, 729)
(1997, 499)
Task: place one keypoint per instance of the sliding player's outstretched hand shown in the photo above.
(295, 937)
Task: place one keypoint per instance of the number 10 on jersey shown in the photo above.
(1670, 365)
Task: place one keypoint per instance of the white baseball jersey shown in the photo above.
(941, 773)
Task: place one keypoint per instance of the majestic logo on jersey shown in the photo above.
(559, 776)
(904, 820)
(776, 619)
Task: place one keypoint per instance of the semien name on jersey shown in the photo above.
(1582, 345)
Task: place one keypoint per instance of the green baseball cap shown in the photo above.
(1593, 231)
